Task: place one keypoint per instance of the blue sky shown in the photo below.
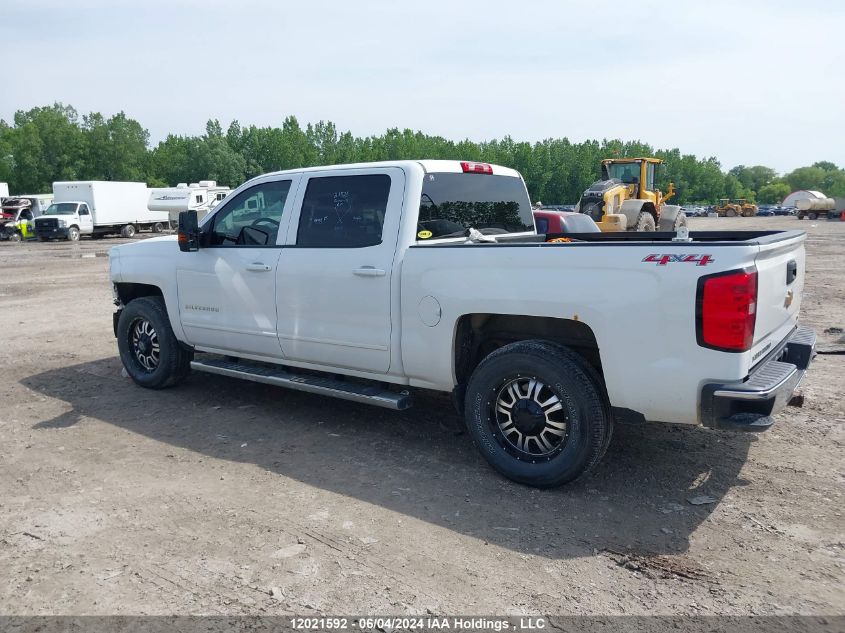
(747, 82)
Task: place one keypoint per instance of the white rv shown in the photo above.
(200, 196)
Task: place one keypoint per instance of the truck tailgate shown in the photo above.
(780, 285)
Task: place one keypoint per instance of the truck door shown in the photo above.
(334, 276)
(227, 289)
(86, 223)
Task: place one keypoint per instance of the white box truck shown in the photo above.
(4, 190)
(98, 208)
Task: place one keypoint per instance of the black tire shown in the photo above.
(73, 234)
(812, 216)
(14, 236)
(645, 222)
(730, 213)
(156, 360)
(158, 227)
(565, 379)
(680, 220)
(128, 231)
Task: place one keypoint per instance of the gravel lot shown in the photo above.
(226, 497)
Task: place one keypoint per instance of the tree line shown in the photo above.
(51, 143)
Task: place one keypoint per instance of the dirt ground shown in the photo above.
(227, 497)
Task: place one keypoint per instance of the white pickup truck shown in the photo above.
(367, 281)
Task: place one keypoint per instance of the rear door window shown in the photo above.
(343, 211)
(452, 203)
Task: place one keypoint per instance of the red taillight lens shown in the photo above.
(726, 309)
(476, 168)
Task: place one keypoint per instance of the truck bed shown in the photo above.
(716, 238)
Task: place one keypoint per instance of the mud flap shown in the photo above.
(668, 215)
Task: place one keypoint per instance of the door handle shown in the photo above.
(369, 271)
(258, 267)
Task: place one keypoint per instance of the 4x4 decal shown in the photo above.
(671, 258)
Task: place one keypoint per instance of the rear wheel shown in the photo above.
(812, 216)
(680, 220)
(645, 222)
(537, 413)
(73, 234)
(731, 213)
(149, 350)
(158, 227)
(128, 231)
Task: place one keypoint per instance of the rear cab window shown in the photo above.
(451, 203)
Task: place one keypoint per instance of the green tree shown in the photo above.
(51, 143)
(811, 178)
(116, 148)
(773, 193)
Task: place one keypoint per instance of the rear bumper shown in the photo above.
(749, 405)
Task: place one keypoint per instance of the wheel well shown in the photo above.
(126, 292)
(648, 206)
(477, 335)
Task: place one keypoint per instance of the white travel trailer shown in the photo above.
(200, 196)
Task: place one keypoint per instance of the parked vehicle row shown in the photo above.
(99, 208)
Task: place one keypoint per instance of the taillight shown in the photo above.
(476, 168)
(726, 310)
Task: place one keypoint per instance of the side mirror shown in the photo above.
(189, 234)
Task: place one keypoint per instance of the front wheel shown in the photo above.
(73, 234)
(128, 231)
(537, 413)
(158, 227)
(731, 213)
(812, 216)
(149, 350)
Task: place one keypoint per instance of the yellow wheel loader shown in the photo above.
(625, 198)
(746, 209)
(728, 209)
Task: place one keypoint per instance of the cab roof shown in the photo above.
(608, 161)
(429, 166)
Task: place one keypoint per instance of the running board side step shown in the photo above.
(356, 392)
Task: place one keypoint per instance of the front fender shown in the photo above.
(631, 210)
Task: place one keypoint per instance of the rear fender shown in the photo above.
(631, 210)
(668, 215)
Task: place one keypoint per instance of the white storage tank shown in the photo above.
(814, 204)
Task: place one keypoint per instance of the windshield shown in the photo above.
(451, 203)
(62, 208)
(629, 173)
